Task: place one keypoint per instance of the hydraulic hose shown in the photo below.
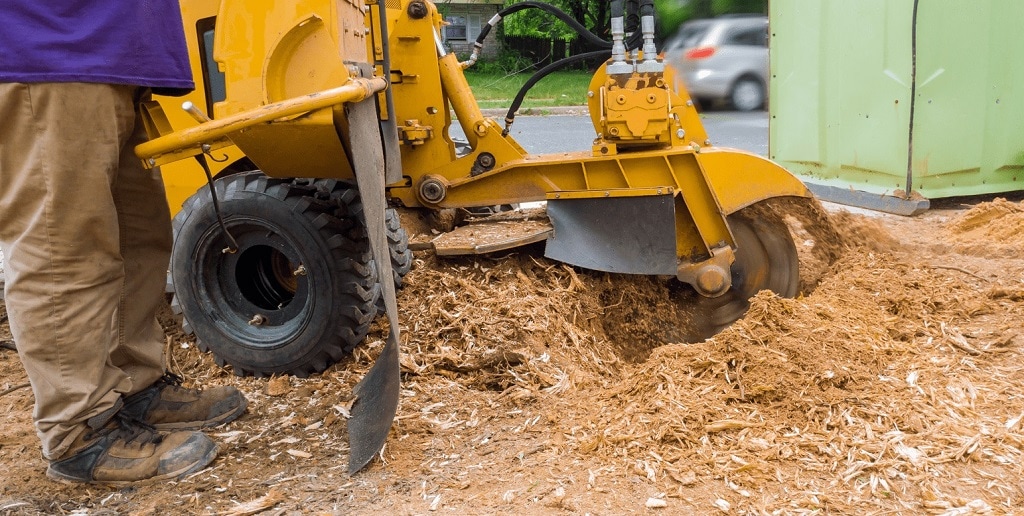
(617, 8)
(543, 72)
(587, 36)
(592, 39)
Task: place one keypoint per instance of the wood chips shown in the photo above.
(892, 385)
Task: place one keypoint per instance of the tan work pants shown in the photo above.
(86, 236)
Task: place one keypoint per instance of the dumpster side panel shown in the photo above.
(969, 120)
(840, 91)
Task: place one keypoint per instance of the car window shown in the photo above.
(690, 34)
(753, 37)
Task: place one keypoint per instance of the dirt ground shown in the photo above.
(892, 386)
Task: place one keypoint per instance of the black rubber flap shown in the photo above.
(377, 393)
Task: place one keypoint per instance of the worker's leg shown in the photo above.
(60, 145)
(145, 225)
(145, 235)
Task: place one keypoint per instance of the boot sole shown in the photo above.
(198, 465)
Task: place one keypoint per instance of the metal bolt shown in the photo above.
(257, 320)
(417, 10)
(689, 103)
(299, 271)
(432, 190)
(152, 162)
(680, 133)
(590, 94)
(486, 160)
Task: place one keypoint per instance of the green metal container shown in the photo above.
(867, 96)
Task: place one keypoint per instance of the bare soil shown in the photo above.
(891, 386)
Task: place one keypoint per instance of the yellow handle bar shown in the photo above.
(189, 142)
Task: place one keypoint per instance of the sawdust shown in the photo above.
(891, 385)
(991, 229)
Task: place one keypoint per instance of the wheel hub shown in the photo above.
(266, 277)
(765, 259)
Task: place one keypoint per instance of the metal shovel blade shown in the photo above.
(377, 393)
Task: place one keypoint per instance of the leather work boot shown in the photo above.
(166, 405)
(116, 450)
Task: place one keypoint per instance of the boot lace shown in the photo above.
(131, 430)
(175, 382)
(170, 379)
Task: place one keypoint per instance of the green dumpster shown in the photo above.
(888, 103)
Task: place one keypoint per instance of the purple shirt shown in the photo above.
(132, 42)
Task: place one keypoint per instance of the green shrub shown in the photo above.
(507, 62)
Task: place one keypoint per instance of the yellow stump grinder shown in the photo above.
(314, 119)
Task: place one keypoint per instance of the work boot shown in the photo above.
(117, 450)
(166, 405)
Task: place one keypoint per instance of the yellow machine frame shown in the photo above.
(293, 98)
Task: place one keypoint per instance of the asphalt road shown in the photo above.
(563, 133)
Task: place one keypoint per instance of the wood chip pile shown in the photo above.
(893, 385)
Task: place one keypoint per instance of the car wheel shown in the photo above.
(747, 94)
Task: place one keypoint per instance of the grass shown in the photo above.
(497, 90)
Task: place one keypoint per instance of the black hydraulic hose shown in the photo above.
(632, 25)
(618, 10)
(635, 40)
(632, 21)
(543, 72)
(646, 7)
(233, 248)
(617, 7)
(587, 36)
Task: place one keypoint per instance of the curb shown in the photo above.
(537, 111)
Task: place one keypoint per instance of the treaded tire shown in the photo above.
(398, 246)
(345, 193)
(310, 316)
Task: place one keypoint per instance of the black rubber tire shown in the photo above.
(398, 247)
(311, 319)
(766, 259)
(344, 193)
(747, 94)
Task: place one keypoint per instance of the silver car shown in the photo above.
(723, 59)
